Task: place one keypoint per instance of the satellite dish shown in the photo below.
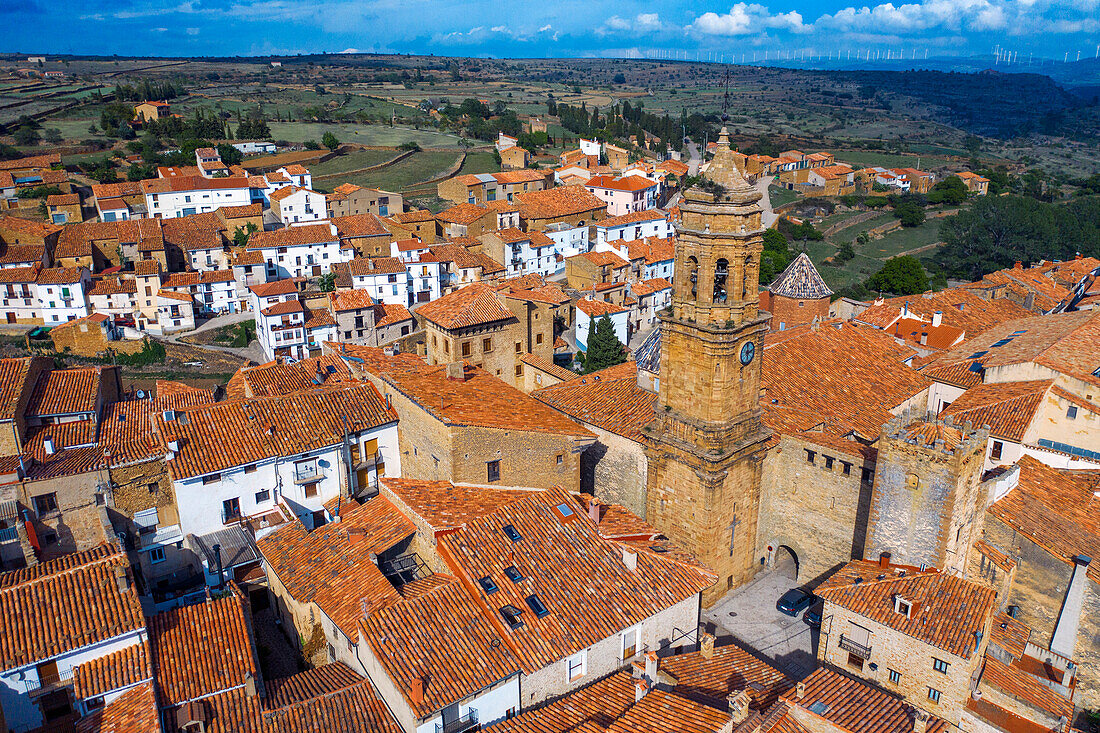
(141, 394)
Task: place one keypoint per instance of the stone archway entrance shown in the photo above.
(786, 562)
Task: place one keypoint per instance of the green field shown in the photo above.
(780, 196)
(364, 134)
(870, 158)
(352, 161)
(902, 240)
(399, 176)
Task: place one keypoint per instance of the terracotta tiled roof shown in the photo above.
(651, 249)
(1010, 634)
(729, 669)
(122, 668)
(274, 378)
(857, 707)
(920, 333)
(295, 236)
(15, 254)
(61, 275)
(112, 286)
(276, 287)
(365, 266)
(478, 399)
(548, 366)
(125, 431)
(331, 566)
(1067, 342)
(587, 710)
(63, 199)
(65, 392)
(228, 434)
(13, 378)
(19, 274)
(627, 183)
(648, 287)
(311, 683)
(444, 505)
(835, 380)
(554, 203)
(599, 308)
(472, 305)
(959, 307)
(63, 605)
(443, 638)
(347, 300)
(464, 258)
(631, 218)
(235, 212)
(603, 257)
(609, 399)
(947, 611)
(462, 214)
(1057, 510)
(202, 649)
(1019, 684)
(282, 193)
(134, 711)
(359, 225)
(387, 314)
(519, 176)
(199, 231)
(1008, 408)
(800, 280)
(665, 711)
(581, 577)
(28, 227)
(46, 160)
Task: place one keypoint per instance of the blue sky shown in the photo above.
(519, 28)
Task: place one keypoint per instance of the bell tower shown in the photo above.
(707, 441)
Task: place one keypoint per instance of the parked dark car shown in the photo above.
(812, 617)
(794, 602)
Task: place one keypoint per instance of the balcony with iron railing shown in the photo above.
(48, 683)
(855, 647)
(461, 724)
(8, 534)
(308, 474)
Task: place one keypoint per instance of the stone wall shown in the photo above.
(527, 458)
(614, 470)
(1039, 591)
(817, 508)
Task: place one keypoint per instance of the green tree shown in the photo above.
(329, 141)
(327, 282)
(900, 276)
(229, 154)
(240, 236)
(776, 256)
(845, 253)
(53, 136)
(909, 213)
(950, 190)
(26, 136)
(604, 347)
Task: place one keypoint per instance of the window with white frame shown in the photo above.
(576, 666)
(156, 555)
(630, 643)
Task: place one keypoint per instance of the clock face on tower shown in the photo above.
(748, 351)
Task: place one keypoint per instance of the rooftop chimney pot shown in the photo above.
(884, 560)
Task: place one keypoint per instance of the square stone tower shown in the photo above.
(707, 442)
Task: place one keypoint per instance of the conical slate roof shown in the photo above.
(648, 355)
(800, 280)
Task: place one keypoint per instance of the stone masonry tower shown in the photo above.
(706, 444)
(927, 506)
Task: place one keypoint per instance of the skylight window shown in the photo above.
(513, 574)
(535, 603)
(976, 367)
(512, 615)
(511, 533)
(565, 510)
(488, 585)
(977, 355)
(1002, 342)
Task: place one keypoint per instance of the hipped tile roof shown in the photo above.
(609, 399)
(581, 577)
(62, 605)
(444, 505)
(947, 611)
(472, 305)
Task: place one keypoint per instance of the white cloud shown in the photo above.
(192, 31)
(948, 15)
(641, 23)
(745, 18)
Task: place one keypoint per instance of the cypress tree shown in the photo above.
(604, 347)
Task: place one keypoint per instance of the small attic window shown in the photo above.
(488, 585)
(1002, 342)
(511, 533)
(819, 708)
(512, 615)
(977, 355)
(513, 573)
(902, 606)
(535, 604)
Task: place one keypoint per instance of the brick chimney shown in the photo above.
(594, 510)
(937, 319)
(706, 645)
(920, 721)
(651, 664)
(800, 691)
(249, 684)
(884, 561)
(416, 692)
(739, 706)
(630, 559)
(456, 371)
(641, 689)
(1018, 266)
